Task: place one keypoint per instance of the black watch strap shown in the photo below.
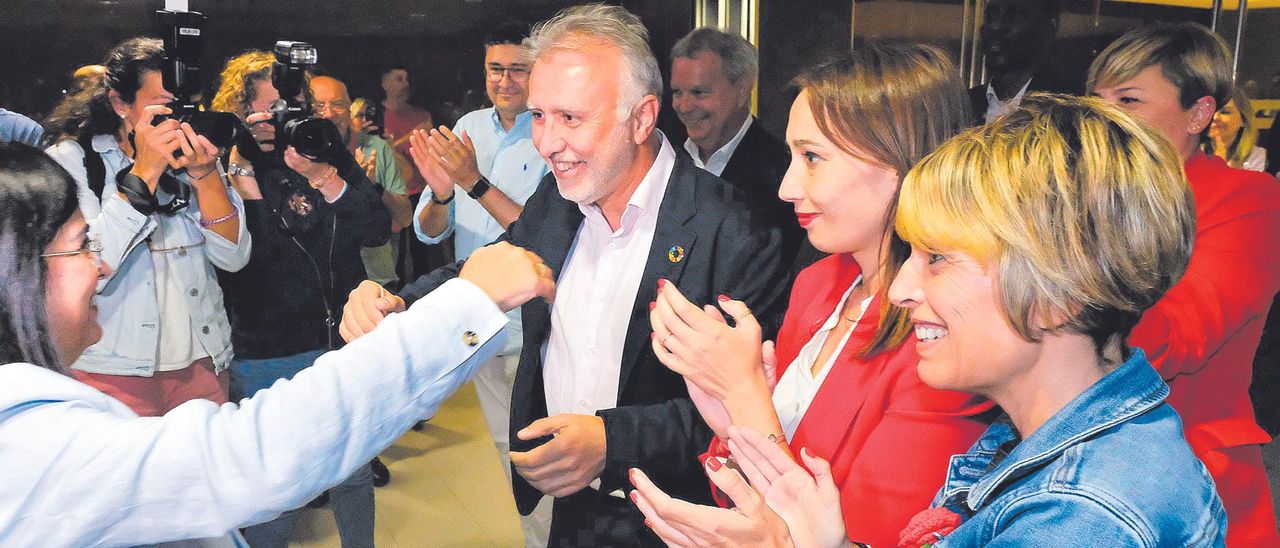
(478, 189)
(444, 201)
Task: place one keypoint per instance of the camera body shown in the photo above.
(183, 36)
(315, 138)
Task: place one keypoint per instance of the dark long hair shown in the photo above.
(88, 111)
(37, 197)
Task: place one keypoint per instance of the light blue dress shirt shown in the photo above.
(509, 161)
(80, 469)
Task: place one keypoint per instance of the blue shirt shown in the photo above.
(19, 129)
(1110, 469)
(509, 161)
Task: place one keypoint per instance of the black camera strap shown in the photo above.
(94, 167)
(142, 199)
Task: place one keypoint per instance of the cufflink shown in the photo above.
(470, 338)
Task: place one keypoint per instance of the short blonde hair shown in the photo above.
(357, 106)
(1190, 56)
(236, 88)
(888, 102)
(1085, 216)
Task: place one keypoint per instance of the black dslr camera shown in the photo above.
(315, 138)
(183, 35)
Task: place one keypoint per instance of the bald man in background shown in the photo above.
(331, 101)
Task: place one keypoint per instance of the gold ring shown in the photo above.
(543, 269)
(739, 318)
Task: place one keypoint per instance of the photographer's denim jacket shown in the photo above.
(1110, 469)
(128, 309)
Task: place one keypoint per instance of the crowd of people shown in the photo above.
(1020, 314)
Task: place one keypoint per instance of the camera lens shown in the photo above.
(315, 138)
(220, 128)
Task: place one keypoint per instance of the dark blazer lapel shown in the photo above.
(739, 166)
(671, 250)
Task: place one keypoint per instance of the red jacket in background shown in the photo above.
(1203, 334)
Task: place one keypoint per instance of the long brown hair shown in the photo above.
(891, 103)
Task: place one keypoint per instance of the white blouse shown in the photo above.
(798, 385)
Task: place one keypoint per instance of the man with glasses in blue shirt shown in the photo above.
(480, 175)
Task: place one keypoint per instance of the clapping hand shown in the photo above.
(808, 503)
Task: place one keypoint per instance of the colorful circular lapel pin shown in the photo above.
(675, 254)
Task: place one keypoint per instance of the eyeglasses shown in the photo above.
(518, 73)
(339, 107)
(91, 247)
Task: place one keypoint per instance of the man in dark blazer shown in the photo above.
(620, 212)
(1017, 40)
(712, 75)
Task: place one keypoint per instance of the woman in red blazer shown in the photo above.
(847, 388)
(1202, 335)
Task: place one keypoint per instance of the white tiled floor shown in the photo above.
(447, 489)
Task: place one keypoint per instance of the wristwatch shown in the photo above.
(235, 169)
(478, 189)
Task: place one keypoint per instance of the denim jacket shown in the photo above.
(128, 304)
(1110, 469)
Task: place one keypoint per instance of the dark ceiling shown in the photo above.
(328, 17)
(439, 40)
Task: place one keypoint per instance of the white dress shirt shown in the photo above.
(720, 158)
(798, 386)
(582, 358)
(1257, 160)
(997, 108)
(80, 469)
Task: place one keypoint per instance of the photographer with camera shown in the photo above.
(156, 200)
(310, 209)
(331, 101)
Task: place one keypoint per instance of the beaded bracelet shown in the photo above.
(206, 224)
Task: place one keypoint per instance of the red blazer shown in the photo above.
(889, 437)
(1203, 334)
